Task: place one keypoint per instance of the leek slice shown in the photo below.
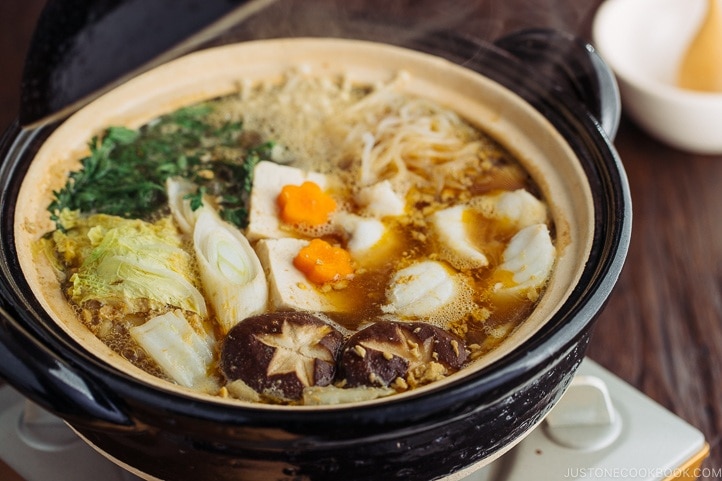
(230, 271)
(180, 191)
(177, 189)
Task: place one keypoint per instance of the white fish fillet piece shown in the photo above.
(519, 207)
(363, 232)
(421, 289)
(450, 229)
(529, 256)
(380, 200)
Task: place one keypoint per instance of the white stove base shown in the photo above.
(643, 441)
(602, 429)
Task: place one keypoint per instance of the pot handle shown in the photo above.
(571, 66)
(33, 370)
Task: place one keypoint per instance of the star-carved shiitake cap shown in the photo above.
(279, 354)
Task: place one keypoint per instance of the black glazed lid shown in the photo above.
(82, 48)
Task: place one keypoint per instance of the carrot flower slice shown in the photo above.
(322, 262)
(305, 204)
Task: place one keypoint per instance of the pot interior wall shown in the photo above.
(218, 71)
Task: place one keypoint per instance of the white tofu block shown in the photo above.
(268, 180)
(289, 288)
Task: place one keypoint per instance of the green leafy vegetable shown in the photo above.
(125, 173)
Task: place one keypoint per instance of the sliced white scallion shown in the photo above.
(231, 274)
(177, 189)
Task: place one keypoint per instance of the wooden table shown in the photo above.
(662, 328)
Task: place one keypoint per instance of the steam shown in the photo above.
(403, 21)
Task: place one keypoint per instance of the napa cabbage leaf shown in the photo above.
(130, 264)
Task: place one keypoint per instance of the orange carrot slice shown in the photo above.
(322, 262)
(305, 204)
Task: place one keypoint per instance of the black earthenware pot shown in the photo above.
(453, 428)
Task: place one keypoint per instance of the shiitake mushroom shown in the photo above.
(388, 351)
(279, 354)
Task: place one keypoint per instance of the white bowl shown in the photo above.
(643, 41)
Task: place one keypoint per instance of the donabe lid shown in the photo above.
(82, 49)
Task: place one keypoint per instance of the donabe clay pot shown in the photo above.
(448, 428)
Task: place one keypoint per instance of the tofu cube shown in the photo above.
(289, 288)
(268, 180)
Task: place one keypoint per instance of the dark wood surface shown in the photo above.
(662, 328)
